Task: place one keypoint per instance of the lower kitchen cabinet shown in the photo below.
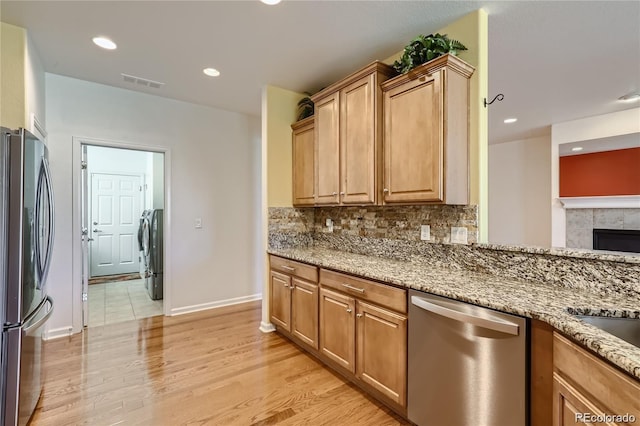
(382, 351)
(294, 299)
(281, 300)
(586, 387)
(364, 339)
(304, 311)
(338, 328)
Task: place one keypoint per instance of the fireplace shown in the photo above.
(627, 240)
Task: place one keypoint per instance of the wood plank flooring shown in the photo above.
(209, 368)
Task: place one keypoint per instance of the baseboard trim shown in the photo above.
(57, 333)
(267, 327)
(216, 305)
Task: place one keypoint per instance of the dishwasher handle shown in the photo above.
(495, 324)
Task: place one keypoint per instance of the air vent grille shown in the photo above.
(141, 81)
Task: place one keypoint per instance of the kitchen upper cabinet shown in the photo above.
(585, 384)
(327, 164)
(426, 134)
(303, 145)
(348, 133)
(294, 299)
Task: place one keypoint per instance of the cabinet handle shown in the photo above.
(386, 190)
(350, 287)
(359, 315)
(288, 268)
(349, 310)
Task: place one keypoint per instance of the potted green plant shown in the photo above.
(425, 48)
(305, 108)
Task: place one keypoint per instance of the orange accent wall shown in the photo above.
(601, 173)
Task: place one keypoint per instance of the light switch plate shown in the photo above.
(459, 235)
(329, 224)
(198, 222)
(425, 232)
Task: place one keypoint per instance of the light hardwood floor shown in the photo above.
(209, 368)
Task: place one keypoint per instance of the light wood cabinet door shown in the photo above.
(327, 152)
(304, 312)
(413, 141)
(358, 141)
(303, 145)
(337, 328)
(570, 406)
(281, 300)
(382, 351)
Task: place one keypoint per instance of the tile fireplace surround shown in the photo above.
(581, 222)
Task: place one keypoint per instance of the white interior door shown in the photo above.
(115, 211)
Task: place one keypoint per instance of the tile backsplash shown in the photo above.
(582, 222)
(394, 223)
(398, 222)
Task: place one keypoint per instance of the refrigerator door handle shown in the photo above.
(42, 320)
(494, 324)
(51, 214)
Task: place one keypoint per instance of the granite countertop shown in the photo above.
(545, 302)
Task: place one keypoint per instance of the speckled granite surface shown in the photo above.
(544, 301)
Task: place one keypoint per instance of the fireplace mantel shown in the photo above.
(610, 202)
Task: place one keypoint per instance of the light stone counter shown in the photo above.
(546, 302)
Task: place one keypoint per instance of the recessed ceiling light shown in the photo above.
(630, 97)
(270, 2)
(105, 43)
(211, 72)
(577, 148)
(510, 120)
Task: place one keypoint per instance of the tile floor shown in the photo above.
(120, 301)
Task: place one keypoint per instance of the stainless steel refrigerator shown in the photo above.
(150, 239)
(26, 243)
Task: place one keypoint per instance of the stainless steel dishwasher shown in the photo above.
(467, 364)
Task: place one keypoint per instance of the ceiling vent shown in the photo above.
(141, 81)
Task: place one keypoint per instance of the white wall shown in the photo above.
(34, 87)
(520, 192)
(213, 164)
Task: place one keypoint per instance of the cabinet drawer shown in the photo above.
(291, 267)
(381, 294)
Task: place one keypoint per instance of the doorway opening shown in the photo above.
(123, 240)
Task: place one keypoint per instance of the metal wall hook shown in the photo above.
(498, 97)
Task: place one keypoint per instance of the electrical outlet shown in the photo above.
(459, 235)
(425, 232)
(329, 224)
(198, 222)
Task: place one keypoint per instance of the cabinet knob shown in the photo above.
(359, 315)
(341, 192)
(386, 190)
(335, 194)
(349, 310)
(286, 285)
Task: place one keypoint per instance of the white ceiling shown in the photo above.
(554, 61)
(613, 143)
